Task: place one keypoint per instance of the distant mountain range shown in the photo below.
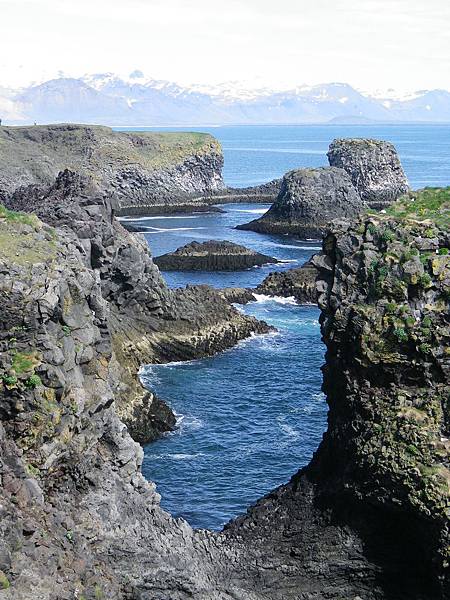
(134, 100)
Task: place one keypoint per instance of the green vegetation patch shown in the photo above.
(429, 204)
(10, 216)
(23, 240)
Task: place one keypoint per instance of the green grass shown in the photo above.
(21, 245)
(10, 216)
(21, 363)
(429, 204)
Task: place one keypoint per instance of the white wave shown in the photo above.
(253, 211)
(278, 299)
(287, 429)
(288, 260)
(189, 422)
(165, 230)
(291, 246)
(174, 456)
(160, 217)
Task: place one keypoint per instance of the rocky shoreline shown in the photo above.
(149, 323)
(366, 519)
(84, 306)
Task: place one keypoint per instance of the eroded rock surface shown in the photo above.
(212, 255)
(299, 283)
(148, 322)
(374, 168)
(309, 200)
(366, 519)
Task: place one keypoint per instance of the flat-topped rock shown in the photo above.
(309, 200)
(374, 167)
(212, 255)
(146, 171)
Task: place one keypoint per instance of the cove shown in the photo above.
(247, 418)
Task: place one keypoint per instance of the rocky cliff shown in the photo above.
(365, 520)
(148, 322)
(374, 168)
(143, 169)
(309, 199)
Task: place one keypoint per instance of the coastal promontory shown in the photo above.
(146, 171)
(374, 168)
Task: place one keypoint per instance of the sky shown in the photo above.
(370, 44)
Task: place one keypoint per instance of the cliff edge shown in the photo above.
(143, 169)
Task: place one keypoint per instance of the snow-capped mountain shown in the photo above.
(107, 98)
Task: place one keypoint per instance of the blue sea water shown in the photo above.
(252, 416)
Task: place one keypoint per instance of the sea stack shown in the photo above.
(309, 200)
(212, 255)
(374, 168)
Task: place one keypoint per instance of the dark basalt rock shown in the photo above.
(299, 283)
(149, 323)
(309, 200)
(212, 255)
(263, 193)
(374, 168)
(367, 518)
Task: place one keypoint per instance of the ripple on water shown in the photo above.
(248, 418)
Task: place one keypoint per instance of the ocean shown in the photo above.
(249, 418)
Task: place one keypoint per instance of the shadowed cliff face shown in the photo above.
(365, 520)
(309, 200)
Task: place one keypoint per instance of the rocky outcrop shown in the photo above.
(309, 200)
(378, 485)
(263, 193)
(299, 283)
(148, 322)
(147, 171)
(366, 519)
(212, 255)
(374, 168)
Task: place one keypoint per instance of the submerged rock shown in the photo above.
(309, 200)
(212, 255)
(374, 168)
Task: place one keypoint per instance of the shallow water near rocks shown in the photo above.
(251, 417)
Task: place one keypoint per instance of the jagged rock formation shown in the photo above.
(143, 169)
(374, 168)
(366, 519)
(308, 201)
(148, 322)
(212, 255)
